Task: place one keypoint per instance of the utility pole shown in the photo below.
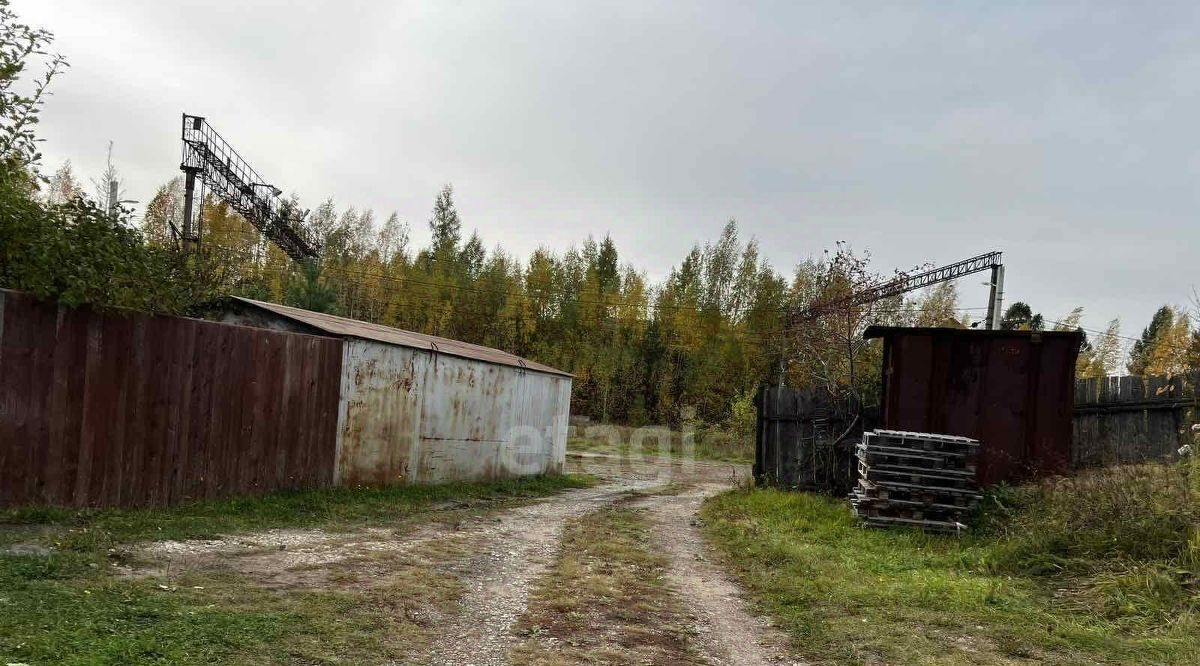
(996, 298)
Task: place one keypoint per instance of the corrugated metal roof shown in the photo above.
(353, 328)
(884, 331)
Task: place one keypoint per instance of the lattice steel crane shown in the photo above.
(208, 156)
(903, 284)
(907, 283)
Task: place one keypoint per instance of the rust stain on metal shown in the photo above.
(101, 409)
(1012, 390)
(417, 408)
(420, 418)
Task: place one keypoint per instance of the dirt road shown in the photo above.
(471, 580)
(523, 545)
(727, 633)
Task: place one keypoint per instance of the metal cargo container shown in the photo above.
(416, 408)
(1012, 390)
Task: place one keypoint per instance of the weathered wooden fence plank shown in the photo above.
(1132, 419)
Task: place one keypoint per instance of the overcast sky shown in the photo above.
(1062, 133)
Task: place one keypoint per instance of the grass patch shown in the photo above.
(330, 508)
(606, 599)
(703, 443)
(62, 602)
(1090, 570)
(1127, 538)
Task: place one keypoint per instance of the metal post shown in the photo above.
(199, 226)
(760, 405)
(996, 298)
(189, 193)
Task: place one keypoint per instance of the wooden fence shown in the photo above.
(1132, 419)
(803, 440)
(122, 409)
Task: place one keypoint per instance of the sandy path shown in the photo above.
(517, 549)
(727, 633)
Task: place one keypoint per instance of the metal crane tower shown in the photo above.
(208, 156)
(907, 283)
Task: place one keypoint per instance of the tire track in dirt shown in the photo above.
(526, 541)
(518, 548)
(523, 543)
(501, 556)
(727, 633)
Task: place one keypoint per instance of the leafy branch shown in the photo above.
(19, 43)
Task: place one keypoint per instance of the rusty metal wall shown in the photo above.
(1012, 390)
(411, 416)
(130, 410)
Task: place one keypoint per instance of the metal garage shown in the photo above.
(417, 408)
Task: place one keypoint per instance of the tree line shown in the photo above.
(1169, 345)
(696, 345)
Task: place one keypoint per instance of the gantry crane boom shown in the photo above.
(208, 156)
(906, 283)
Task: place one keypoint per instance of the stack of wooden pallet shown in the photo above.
(916, 479)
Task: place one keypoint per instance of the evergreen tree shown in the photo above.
(309, 293)
(446, 228)
(1020, 317)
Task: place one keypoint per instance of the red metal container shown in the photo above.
(1012, 390)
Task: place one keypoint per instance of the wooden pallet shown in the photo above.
(913, 514)
(863, 498)
(891, 487)
(916, 480)
(938, 479)
(886, 455)
(911, 466)
(913, 441)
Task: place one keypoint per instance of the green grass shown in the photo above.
(330, 508)
(1094, 570)
(707, 444)
(69, 607)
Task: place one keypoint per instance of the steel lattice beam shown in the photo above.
(904, 284)
(208, 156)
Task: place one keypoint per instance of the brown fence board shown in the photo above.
(1132, 419)
(103, 409)
(278, 448)
(797, 440)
